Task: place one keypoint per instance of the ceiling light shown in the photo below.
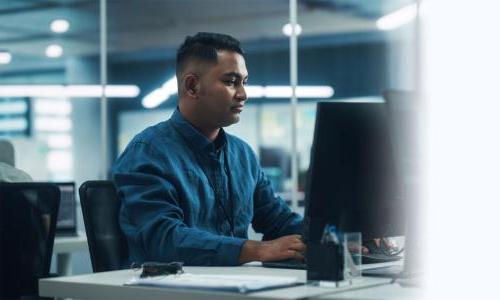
(161, 94)
(54, 51)
(283, 91)
(5, 57)
(59, 26)
(287, 29)
(69, 91)
(398, 18)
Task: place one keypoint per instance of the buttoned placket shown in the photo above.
(220, 186)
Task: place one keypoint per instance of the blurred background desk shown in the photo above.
(109, 285)
(64, 246)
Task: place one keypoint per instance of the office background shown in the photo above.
(342, 44)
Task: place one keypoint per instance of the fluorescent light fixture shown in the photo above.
(68, 91)
(398, 18)
(287, 29)
(372, 99)
(5, 57)
(57, 124)
(160, 95)
(301, 91)
(12, 108)
(112, 91)
(59, 160)
(283, 91)
(54, 51)
(59, 141)
(14, 124)
(59, 26)
(52, 107)
(255, 91)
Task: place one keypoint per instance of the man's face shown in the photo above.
(222, 95)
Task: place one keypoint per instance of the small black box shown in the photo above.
(325, 261)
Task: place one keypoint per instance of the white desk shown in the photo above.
(109, 285)
(64, 246)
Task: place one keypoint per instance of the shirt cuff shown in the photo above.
(229, 250)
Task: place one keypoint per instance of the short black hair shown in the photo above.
(204, 46)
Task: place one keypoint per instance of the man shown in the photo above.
(189, 190)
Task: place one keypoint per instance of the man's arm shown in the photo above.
(290, 246)
(280, 226)
(272, 216)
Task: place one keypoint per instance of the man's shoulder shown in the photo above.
(155, 138)
(152, 133)
(158, 142)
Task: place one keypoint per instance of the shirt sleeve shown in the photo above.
(152, 217)
(272, 216)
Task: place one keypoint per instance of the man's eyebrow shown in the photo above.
(234, 74)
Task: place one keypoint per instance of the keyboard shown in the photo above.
(285, 264)
(386, 271)
(296, 265)
(379, 258)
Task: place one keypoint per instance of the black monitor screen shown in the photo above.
(352, 181)
(66, 219)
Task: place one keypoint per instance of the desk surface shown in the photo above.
(109, 285)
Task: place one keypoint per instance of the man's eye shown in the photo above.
(231, 82)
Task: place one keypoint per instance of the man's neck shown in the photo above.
(205, 129)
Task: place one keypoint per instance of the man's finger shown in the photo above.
(298, 246)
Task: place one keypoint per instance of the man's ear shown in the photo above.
(192, 84)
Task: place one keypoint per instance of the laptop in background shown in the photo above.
(66, 219)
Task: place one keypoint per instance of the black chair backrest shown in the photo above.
(28, 216)
(101, 208)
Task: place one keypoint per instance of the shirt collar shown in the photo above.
(195, 137)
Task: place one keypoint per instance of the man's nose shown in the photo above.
(241, 94)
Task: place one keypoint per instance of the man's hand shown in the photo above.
(290, 246)
(381, 245)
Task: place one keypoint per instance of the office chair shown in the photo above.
(107, 244)
(28, 216)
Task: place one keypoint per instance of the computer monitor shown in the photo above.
(66, 218)
(276, 163)
(276, 157)
(352, 180)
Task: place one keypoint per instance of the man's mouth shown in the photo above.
(238, 108)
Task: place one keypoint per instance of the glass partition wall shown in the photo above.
(344, 50)
(50, 50)
(55, 57)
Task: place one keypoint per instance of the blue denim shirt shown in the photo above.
(185, 198)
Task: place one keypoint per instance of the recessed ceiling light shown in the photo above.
(53, 51)
(5, 57)
(398, 18)
(287, 29)
(59, 26)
